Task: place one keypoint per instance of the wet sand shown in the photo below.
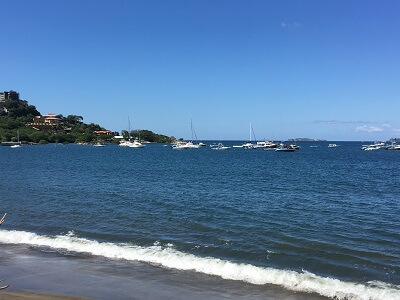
(36, 296)
(44, 271)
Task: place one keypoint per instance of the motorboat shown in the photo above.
(333, 146)
(98, 144)
(265, 145)
(373, 147)
(180, 145)
(191, 145)
(284, 148)
(220, 146)
(135, 144)
(294, 146)
(124, 143)
(246, 145)
(393, 146)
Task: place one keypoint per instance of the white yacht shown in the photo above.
(265, 145)
(284, 148)
(124, 143)
(98, 144)
(373, 147)
(191, 145)
(220, 146)
(135, 144)
(333, 146)
(180, 145)
(393, 146)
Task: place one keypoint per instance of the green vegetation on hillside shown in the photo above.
(147, 135)
(16, 114)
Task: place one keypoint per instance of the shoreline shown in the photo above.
(37, 296)
(33, 273)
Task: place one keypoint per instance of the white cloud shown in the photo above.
(291, 24)
(396, 130)
(342, 122)
(369, 128)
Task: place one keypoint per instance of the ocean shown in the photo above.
(318, 221)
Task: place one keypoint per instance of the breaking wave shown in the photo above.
(171, 258)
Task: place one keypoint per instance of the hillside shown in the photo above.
(18, 116)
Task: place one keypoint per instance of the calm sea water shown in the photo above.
(323, 220)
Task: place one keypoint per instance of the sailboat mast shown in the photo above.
(194, 135)
(129, 129)
(250, 132)
(191, 128)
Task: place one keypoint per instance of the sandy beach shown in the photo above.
(36, 296)
(37, 274)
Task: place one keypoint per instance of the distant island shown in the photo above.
(20, 120)
(306, 140)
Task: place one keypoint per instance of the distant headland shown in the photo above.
(20, 121)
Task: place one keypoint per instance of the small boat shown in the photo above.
(294, 146)
(123, 143)
(246, 145)
(17, 144)
(98, 144)
(373, 147)
(393, 146)
(135, 144)
(265, 145)
(333, 146)
(284, 148)
(180, 145)
(220, 146)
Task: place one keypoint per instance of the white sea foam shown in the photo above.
(171, 258)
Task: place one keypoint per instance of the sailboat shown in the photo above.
(18, 144)
(188, 145)
(249, 144)
(191, 144)
(128, 143)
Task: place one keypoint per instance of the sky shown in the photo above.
(293, 68)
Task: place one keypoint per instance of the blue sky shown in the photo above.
(300, 68)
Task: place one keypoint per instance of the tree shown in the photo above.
(72, 120)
